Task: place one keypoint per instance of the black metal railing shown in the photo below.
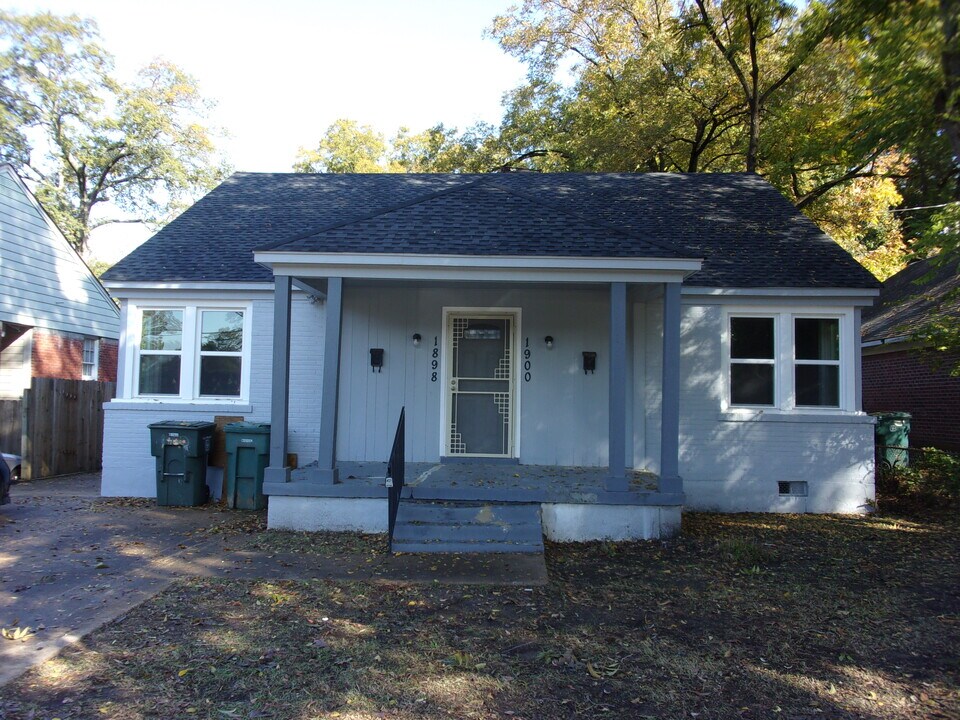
(395, 468)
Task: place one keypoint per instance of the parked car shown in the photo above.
(4, 483)
(13, 466)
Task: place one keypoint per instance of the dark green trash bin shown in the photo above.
(248, 453)
(181, 449)
(893, 433)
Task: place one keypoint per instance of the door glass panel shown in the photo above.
(481, 402)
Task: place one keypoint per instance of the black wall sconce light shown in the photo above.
(589, 362)
(548, 341)
(376, 359)
(416, 339)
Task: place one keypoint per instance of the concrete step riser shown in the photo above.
(488, 528)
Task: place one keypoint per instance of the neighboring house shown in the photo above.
(550, 336)
(57, 320)
(900, 374)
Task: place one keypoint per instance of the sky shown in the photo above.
(281, 71)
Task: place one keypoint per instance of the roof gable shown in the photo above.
(478, 218)
(43, 281)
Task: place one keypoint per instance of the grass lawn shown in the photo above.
(746, 616)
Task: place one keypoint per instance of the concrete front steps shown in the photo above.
(425, 526)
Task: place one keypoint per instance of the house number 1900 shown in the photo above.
(526, 360)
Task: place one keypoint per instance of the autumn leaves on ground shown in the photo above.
(741, 617)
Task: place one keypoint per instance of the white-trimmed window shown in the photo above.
(753, 361)
(816, 361)
(91, 359)
(785, 360)
(192, 352)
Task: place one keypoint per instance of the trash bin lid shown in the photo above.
(891, 415)
(181, 425)
(248, 428)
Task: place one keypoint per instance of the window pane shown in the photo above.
(159, 374)
(221, 331)
(751, 338)
(817, 338)
(162, 330)
(220, 376)
(751, 384)
(818, 385)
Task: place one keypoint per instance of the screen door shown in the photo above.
(481, 385)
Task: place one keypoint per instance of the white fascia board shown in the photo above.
(474, 267)
(161, 289)
(861, 297)
(886, 341)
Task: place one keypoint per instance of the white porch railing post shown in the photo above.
(617, 462)
(326, 470)
(278, 471)
(670, 480)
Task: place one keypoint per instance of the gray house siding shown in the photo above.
(43, 283)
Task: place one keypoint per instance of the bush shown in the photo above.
(933, 474)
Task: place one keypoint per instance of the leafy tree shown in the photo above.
(141, 146)
(346, 147)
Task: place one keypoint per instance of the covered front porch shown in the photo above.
(377, 319)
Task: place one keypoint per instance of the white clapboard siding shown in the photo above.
(43, 282)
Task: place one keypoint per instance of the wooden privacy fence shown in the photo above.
(61, 427)
(10, 426)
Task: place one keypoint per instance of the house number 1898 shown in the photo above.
(434, 362)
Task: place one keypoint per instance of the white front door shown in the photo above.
(480, 384)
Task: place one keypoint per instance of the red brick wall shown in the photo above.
(108, 360)
(56, 356)
(905, 381)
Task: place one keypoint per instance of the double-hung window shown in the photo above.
(192, 352)
(789, 361)
(91, 364)
(161, 349)
(753, 348)
(816, 361)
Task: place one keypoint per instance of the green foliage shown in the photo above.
(99, 267)
(142, 146)
(933, 475)
(346, 147)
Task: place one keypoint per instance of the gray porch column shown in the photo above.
(670, 480)
(326, 470)
(618, 464)
(278, 471)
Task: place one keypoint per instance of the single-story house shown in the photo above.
(56, 319)
(612, 347)
(900, 373)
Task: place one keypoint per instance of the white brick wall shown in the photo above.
(735, 466)
(128, 467)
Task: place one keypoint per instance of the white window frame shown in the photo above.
(786, 362)
(774, 361)
(190, 349)
(838, 363)
(95, 363)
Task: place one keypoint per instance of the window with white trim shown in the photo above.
(753, 361)
(192, 352)
(789, 361)
(91, 357)
(816, 370)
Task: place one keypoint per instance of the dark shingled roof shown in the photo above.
(919, 293)
(747, 233)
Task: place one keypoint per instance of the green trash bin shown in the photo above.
(893, 433)
(248, 453)
(181, 449)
